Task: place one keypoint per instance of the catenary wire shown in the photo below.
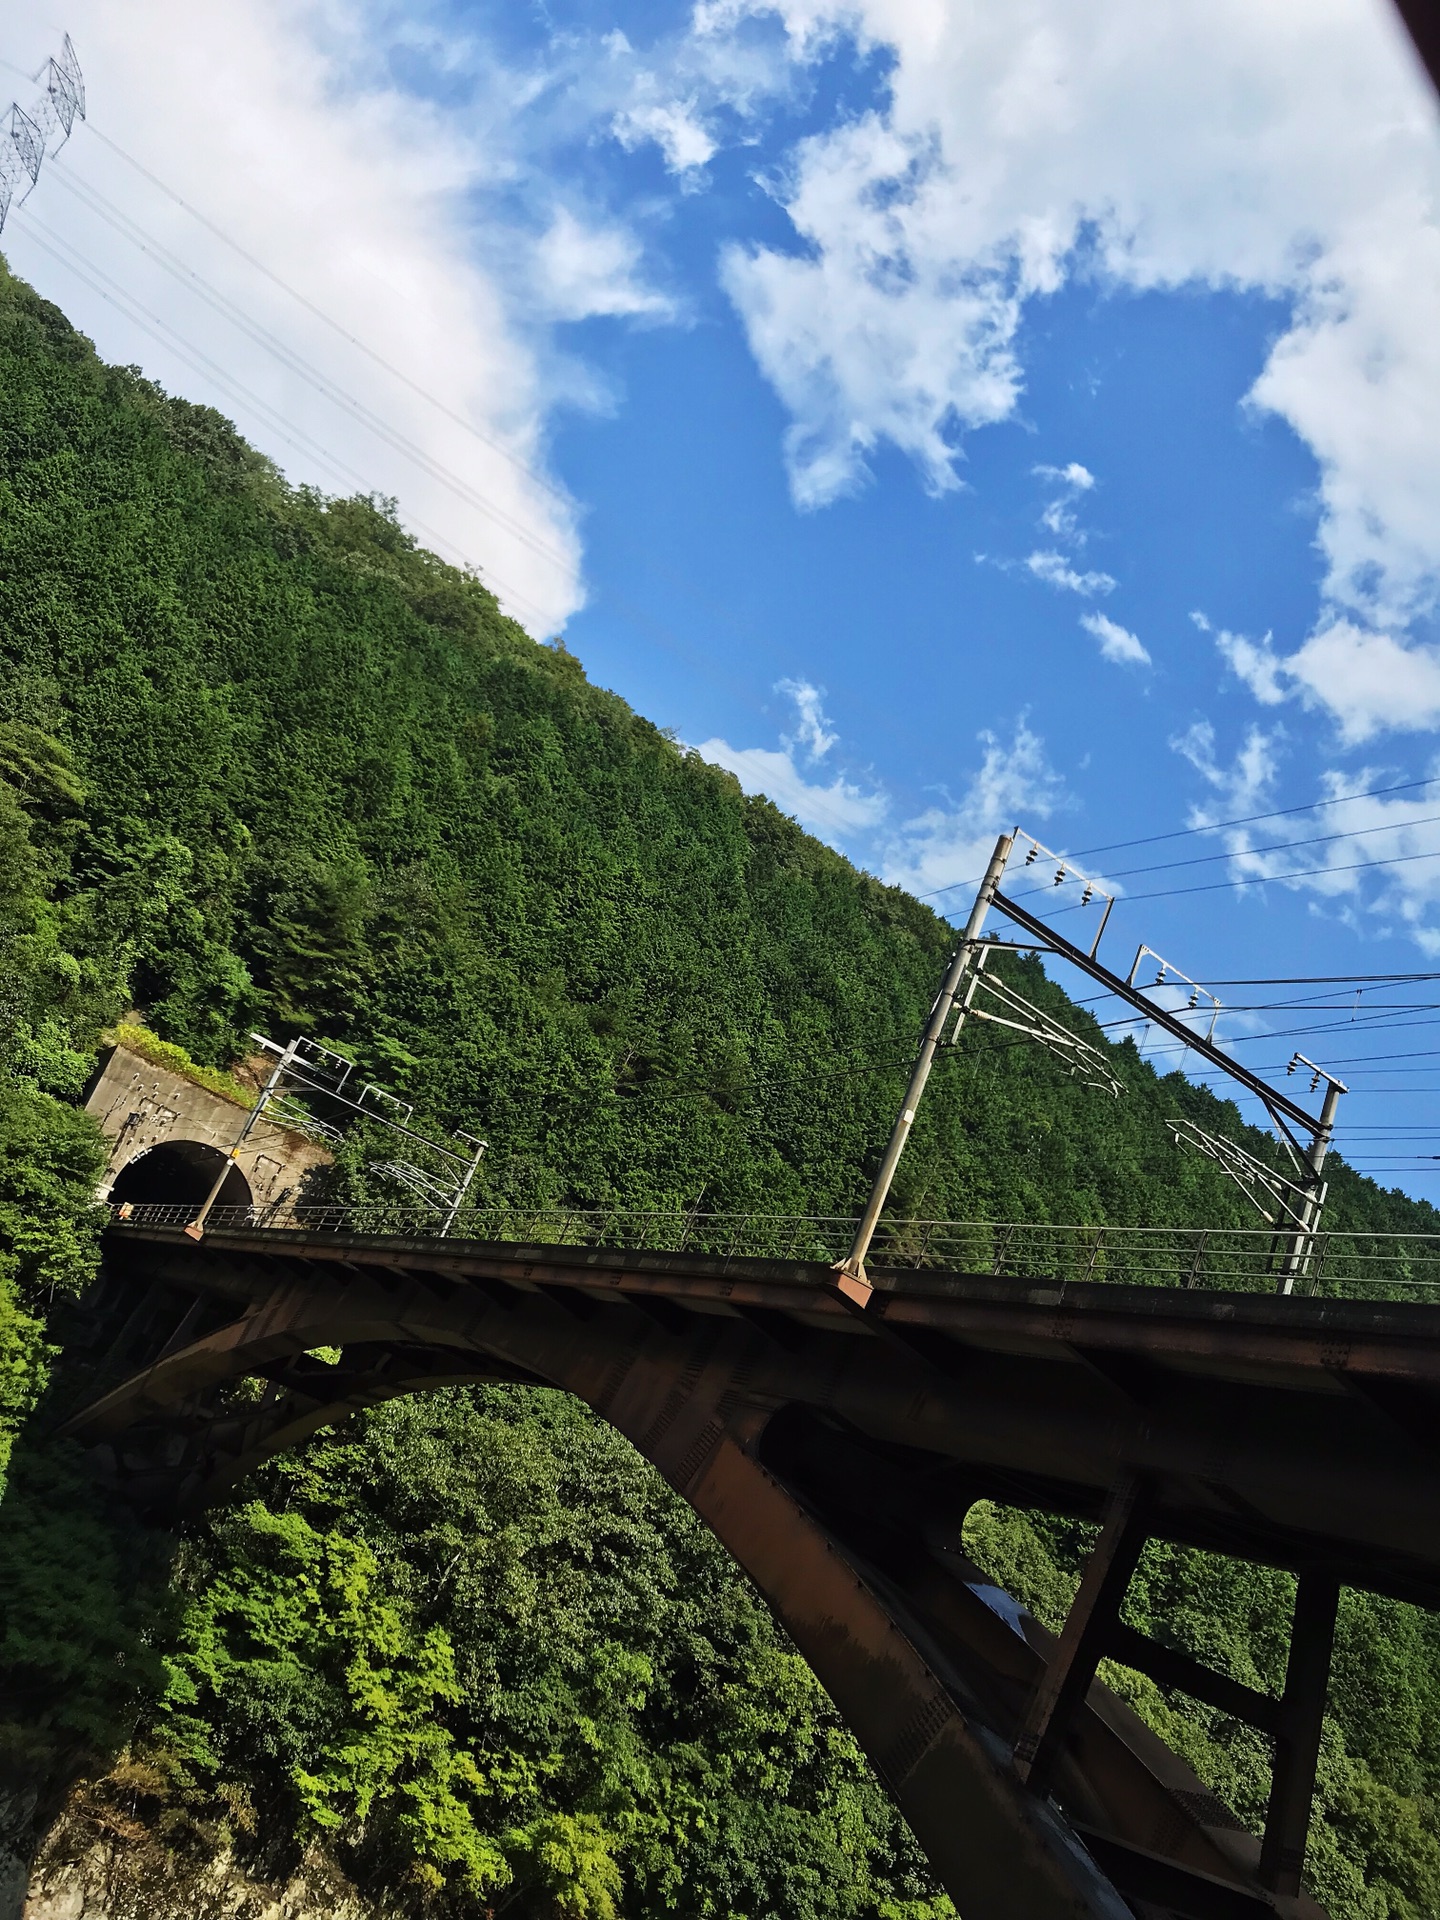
(1253, 880)
(1276, 846)
(221, 303)
(337, 326)
(1215, 826)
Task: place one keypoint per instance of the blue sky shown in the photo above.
(942, 416)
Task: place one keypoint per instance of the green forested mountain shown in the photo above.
(263, 762)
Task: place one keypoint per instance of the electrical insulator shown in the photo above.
(1032, 856)
(1088, 895)
(1059, 874)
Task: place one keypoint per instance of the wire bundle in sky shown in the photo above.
(28, 135)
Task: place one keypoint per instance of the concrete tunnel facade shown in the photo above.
(169, 1138)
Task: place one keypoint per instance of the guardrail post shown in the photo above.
(1199, 1256)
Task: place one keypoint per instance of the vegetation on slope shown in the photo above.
(266, 763)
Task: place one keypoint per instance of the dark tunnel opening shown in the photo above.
(179, 1173)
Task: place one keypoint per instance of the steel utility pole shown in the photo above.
(852, 1268)
(1304, 1238)
(196, 1228)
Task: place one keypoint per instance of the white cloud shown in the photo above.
(814, 736)
(947, 846)
(837, 811)
(283, 127)
(1254, 662)
(1058, 517)
(1224, 145)
(867, 336)
(690, 92)
(1373, 860)
(674, 127)
(1117, 643)
(584, 269)
(1239, 789)
(1074, 477)
(1055, 570)
(834, 812)
(1368, 682)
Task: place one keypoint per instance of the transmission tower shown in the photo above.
(27, 134)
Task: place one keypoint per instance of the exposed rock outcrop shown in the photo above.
(98, 1863)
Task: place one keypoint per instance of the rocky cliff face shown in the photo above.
(102, 1862)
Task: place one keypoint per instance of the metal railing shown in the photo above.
(1229, 1259)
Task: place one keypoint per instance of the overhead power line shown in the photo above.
(169, 337)
(313, 376)
(1214, 826)
(1276, 846)
(397, 373)
(1253, 880)
(1252, 819)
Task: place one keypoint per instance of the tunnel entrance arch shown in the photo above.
(180, 1173)
(145, 1109)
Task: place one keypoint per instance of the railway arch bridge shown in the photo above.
(834, 1436)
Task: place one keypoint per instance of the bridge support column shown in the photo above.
(1297, 1745)
(1088, 1625)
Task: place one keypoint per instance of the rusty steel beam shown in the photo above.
(996, 1849)
(1297, 1745)
(1068, 1673)
(683, 1399)
(1398, 1340)
(1171, 1668)
(1250, 1428)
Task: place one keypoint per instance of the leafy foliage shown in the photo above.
(486, 1648)
(137, 1038)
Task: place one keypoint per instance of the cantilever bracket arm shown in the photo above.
(1056, 943)
(1037, 1025)
(1252, 1176)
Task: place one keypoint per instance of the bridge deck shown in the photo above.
(1287, 1430)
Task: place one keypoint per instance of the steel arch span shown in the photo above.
(834, 1446)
